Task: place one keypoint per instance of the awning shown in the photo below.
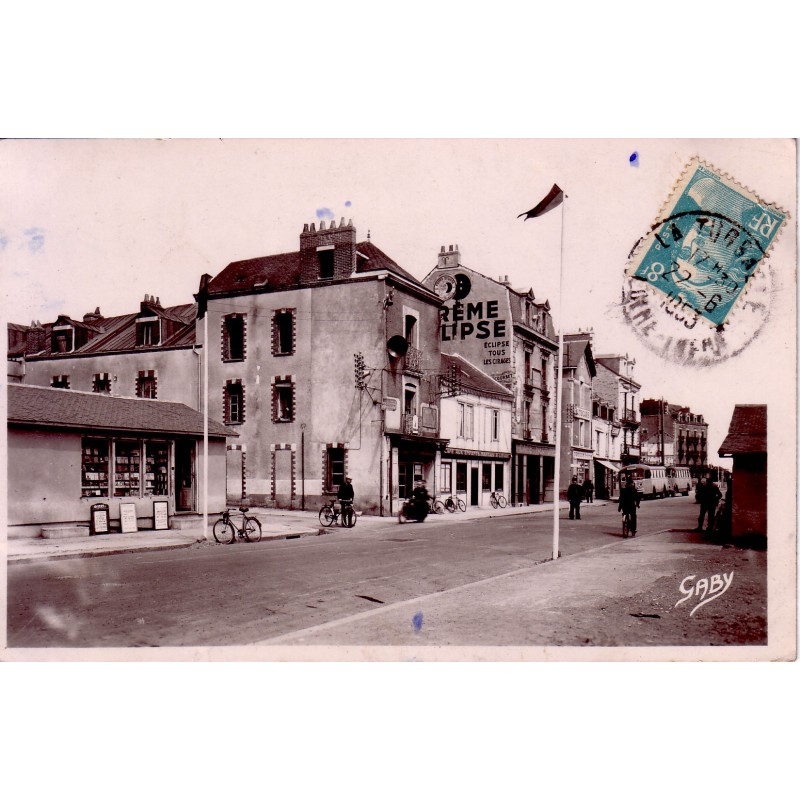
(607, 465)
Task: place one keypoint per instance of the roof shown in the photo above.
(282, 271)
(64, 408)
(747, 432)
(577, 345)
(474, 380)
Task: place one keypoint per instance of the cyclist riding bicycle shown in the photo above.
(420, 497)
(628, 502)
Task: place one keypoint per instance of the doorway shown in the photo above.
(185, 477)
(473, 486)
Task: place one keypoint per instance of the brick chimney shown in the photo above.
(92, 318)
(36, 340)
(449, 258)
(327, 254)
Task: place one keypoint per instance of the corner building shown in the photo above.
(326, 362)
(508, 335)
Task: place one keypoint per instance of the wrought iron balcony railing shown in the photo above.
(412, 361)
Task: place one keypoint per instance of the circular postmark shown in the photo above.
(698, 290)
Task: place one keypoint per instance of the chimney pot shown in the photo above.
(341, 224)
(305, 227)
(451, 248)
(442, 250)
(313, 229)
(322, 224)
(350, 223)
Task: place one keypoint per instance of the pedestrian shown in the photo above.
(574, 495)
(588, 490)
(628, 502)
(345, 496)
(708, 495)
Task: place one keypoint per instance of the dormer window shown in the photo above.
(63, 340)
(326, 261)
(148, 331)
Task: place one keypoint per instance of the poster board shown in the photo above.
(98, 519)
(160, 515)
(127, 518)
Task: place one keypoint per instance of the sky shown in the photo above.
(102, 223)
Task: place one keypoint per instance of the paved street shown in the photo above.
(480, 582)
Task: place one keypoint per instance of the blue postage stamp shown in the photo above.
(708, 244)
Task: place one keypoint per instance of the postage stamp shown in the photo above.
(708, 245)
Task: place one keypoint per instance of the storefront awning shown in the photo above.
(608, 464)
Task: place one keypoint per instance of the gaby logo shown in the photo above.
(706, 589)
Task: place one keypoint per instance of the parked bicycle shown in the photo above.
(627, 528)
(344, 514)
(454, 503)
(436, 506)
(497, 500)
(226, 530)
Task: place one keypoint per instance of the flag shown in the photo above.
(202, 296)
(553, 199)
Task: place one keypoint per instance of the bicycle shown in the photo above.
(436, 506)
(454, 503)
(497, 499)
(626, 525)
(226, 531)
(329, 514)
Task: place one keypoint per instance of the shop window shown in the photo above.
(461, 477)
(233, 335)
(127, 469)
(283, 401)
(101, 383)
(334, 468)
(326, 261)
(60, 382)
(499, 475)
(283, 333)
(147, 384)
(94, 467)
(148, 332)
(156, 468)
(446, 478)
(486, 477)
(234, 403)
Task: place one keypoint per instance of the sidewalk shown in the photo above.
(277, 523)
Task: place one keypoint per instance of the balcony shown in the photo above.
(412, 362)
(409, 424)
(629, 419)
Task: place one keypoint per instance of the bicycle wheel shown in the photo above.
(224, 532)
(450, 505)
(327, 516)
(493, 501)
(252, 529)
(348, 517)
(462, 506)
(502, 501)
(438, 507)
(624, 526)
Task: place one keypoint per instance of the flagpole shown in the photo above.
(205, 425)
(559, 389)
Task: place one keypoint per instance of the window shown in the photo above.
(156, 466)
(465, 420)
(486, 477)
(461, 477)
(148, 332)
(494, 424)
(127, 469)
(283, 401)
(234, 403)
(544, 421)
(527, 419)
(527, 376)
(60, 382)
(544, 372)
(94, 468)
(411, 329)
(410, 399)
(63, 340)
(581, 433)
(499, 474)
(334, 468)
(446, 480)
(283, 333)
(146, 384)
(101, 383)
(233, 326)
(326, 261)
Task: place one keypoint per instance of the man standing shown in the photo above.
(574, 495)
(628, 503)
(708, 496)
(588, 490)
(345, 496)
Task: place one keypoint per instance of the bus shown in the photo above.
(679, 480)
(649, 480)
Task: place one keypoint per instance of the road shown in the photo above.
(224, 595)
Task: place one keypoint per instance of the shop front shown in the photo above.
(534, 471)
(473, 475)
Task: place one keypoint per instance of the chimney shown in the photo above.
(327, 254)
(449, 258)
(93, 317)
(36, 339)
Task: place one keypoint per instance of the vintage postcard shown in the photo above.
(388, 400)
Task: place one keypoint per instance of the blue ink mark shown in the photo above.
(35, 239)
(417, 620)
(634, 158)
(3, 240)
(325, 213)
(347, 204)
